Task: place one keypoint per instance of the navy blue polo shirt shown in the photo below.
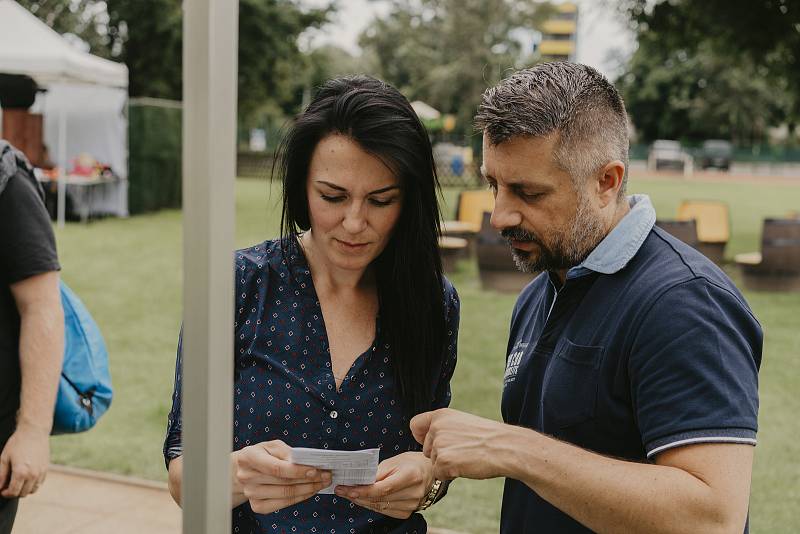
(285, 389)
(647, 346)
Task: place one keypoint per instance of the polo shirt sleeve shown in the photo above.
(452, 304)
(694, 368)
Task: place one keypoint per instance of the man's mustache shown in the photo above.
(517, 233)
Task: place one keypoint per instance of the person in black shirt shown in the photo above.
(31, 333)
(630, 396)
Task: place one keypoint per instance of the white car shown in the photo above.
(667, 154)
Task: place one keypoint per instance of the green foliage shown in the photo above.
(330, 61)
(146, 35)
(699, 62)
(272, 69)
(674, 95)
(446, 52)
(154, 158)
(82, 18)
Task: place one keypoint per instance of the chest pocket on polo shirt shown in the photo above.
(570, 386)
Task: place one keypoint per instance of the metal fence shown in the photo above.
(763, 153)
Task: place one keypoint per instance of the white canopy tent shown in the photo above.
(425, 111)
(74, 80)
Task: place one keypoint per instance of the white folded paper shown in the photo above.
(349, 468)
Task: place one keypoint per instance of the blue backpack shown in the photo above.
(84, 392)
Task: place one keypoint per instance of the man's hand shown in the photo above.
(462, 445)
(402, 482)
(24, 461)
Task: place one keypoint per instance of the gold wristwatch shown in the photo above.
(430, 498)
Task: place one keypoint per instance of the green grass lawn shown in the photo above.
(128, 272)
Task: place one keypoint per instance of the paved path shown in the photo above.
(77, 501)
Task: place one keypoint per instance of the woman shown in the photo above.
(345, 327)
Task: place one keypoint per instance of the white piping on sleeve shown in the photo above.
(702, 439)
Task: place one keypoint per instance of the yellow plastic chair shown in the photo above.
(713, 225)
(471, 206)
(713, 220)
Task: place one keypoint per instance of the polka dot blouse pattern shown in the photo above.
(285, 389)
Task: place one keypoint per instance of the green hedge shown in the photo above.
(154, 133)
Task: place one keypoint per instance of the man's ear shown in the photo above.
(609, 182)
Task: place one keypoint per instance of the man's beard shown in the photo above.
(568, 246)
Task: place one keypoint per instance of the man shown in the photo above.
(630, 393)
(31, 333)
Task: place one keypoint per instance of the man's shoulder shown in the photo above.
(19, 185)
(664, 262)
(671, 275)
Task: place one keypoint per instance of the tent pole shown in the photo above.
(62, 162)
(209, 166)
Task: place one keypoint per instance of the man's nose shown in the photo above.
(505, 213)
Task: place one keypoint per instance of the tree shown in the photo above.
(706, 59)
(146, 35)
(327, 62)
(84, 19)
(272, 69)
(671, 94)
(446, 52)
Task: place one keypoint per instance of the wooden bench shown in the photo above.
(713, 226)
(450, 250)
(471, 206)
(777, 266)
(496, 266)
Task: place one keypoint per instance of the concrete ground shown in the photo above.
(77, 501)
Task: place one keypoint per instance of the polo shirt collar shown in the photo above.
(623, 242)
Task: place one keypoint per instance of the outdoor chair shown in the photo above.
(496, 266)
(777, 266)
(450, 250)
(470, 208)
(713, 226)
(686, 231)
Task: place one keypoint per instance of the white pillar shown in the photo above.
(209, 162)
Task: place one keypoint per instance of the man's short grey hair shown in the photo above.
(571, 100)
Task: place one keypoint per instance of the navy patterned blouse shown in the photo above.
(284, 389)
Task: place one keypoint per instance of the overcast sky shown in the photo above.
(601, 31)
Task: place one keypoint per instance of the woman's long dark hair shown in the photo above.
(408, 272)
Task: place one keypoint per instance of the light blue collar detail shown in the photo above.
(623, 242)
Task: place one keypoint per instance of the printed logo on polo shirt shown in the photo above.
(512, 362)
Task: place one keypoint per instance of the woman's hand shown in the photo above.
(401, 484)
(270, 481)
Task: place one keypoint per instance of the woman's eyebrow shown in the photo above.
(340, 188)
(332, 186)
(383, 190)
